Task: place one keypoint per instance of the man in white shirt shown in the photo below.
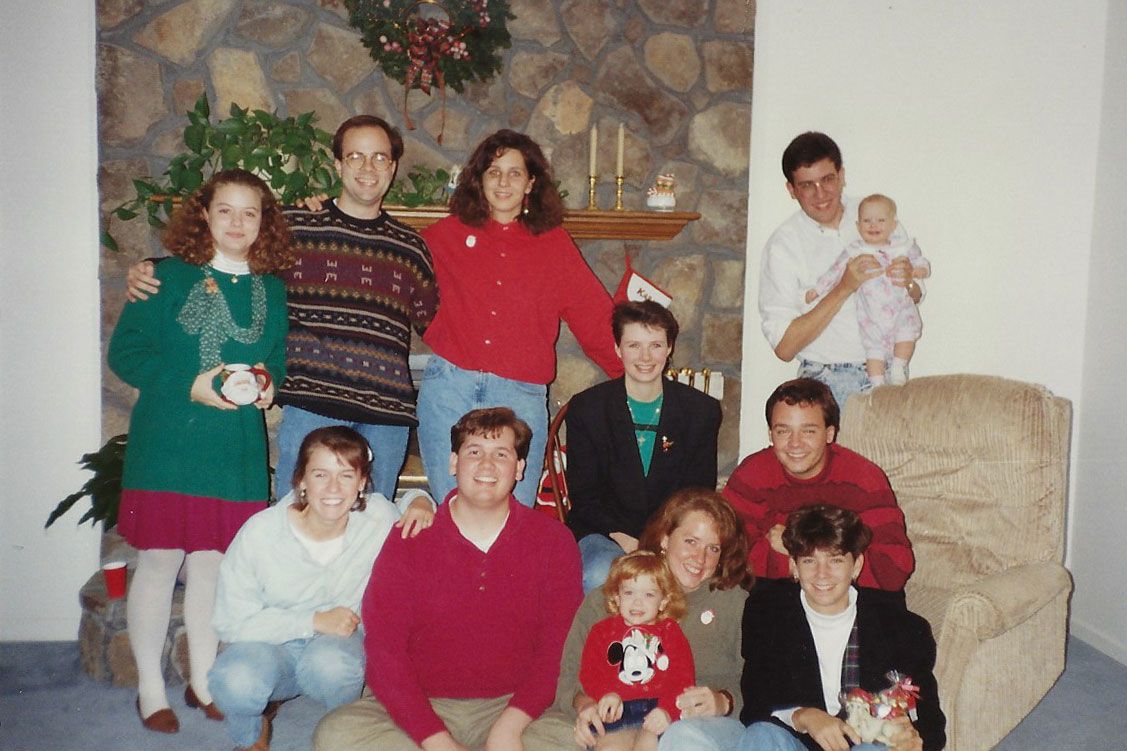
(823, 335)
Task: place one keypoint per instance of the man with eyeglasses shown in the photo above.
(824, 335)
(362, 280)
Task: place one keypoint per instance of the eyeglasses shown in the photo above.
(380, 161)
(827, 183)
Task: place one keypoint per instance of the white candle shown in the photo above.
(621, 145)
(594, 148)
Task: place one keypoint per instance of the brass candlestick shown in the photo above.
(591, 181)
(619, 180)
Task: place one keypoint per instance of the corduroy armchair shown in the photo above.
(980, 467)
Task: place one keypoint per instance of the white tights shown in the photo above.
(148, 610)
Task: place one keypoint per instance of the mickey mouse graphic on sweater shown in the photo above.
(643, 661)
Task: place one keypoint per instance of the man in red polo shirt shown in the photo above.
(465, 623)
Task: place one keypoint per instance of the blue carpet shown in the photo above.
(1085, 710)
(46, 702)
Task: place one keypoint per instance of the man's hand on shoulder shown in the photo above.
(313, 203)
(141, 281)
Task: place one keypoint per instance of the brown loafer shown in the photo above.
(160, 721)
(263, 742)
(194, 702)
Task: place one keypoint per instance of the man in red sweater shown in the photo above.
(804, 466)
(465, 623)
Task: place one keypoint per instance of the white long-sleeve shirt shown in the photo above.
(270, 586)
(797, 253)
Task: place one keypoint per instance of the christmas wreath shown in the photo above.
(433, 43)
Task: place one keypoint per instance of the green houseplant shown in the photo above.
(104, 488)
(292, 155)
(427, 188)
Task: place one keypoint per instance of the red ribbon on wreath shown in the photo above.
(428, 41)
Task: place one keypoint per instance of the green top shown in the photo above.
(646, 416)
(175, 444)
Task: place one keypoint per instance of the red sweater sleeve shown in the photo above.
(586, 308)
(743, 492)
(560, 593)
(388, 615)
(596, 675)
(889, 560)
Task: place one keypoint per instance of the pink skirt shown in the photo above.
(153, 519)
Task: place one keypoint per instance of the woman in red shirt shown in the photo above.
(507, 273)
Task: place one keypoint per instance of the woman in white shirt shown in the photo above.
(288, 601)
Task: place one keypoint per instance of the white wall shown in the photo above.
(983, 121)
(49, 353)
(1099, 524)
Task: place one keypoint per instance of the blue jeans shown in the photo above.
(598, 552)
(247, 675)
(388, 442)
(767, 736)
(447, 392)
(702, 734)
(843, 378)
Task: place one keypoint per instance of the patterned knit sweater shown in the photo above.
(355, 292)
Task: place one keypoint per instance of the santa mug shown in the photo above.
(242, 384)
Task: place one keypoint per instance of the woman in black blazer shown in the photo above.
(633, 441)
(797, 637)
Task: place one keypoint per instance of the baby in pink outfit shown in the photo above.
(889, 321)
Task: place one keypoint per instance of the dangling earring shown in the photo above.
(524, 205)
(302, 495)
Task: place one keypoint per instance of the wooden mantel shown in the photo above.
(582, 224)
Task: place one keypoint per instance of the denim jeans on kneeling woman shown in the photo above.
(447, 392)
(247, 675)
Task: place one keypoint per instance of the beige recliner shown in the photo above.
(980, 467)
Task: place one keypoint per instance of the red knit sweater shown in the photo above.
(763, 494)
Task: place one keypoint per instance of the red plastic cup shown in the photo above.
(114, 574)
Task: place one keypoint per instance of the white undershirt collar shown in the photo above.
(227, 265)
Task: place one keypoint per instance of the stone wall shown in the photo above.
(677, 72)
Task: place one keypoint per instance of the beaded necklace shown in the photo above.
(207, 313)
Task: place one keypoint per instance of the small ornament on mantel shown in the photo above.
(661, 196)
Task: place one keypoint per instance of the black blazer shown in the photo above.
(608, 490)
(781, 663)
